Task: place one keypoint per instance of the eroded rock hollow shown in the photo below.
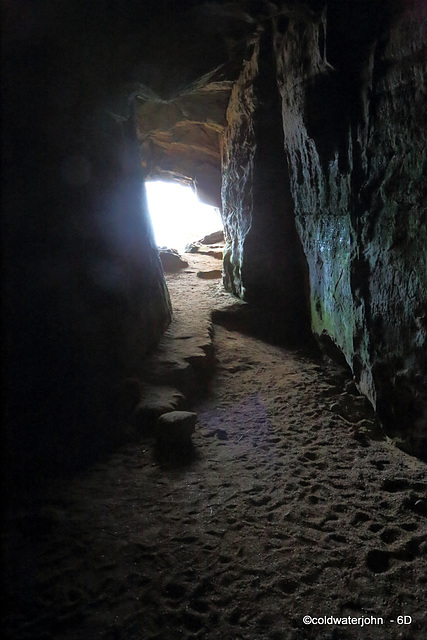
(303, 121)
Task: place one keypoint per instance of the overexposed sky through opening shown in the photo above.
(177, 215)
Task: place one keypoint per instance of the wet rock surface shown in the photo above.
(354, 135)
(328, 135)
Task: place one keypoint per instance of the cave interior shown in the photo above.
(302, 120)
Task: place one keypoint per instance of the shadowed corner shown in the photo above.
(175, 455)
(269, 324)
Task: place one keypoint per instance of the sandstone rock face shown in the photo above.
(214, 250)
(210, 275)
(171, 261)
(353, 106)
(263, 258)
(190, 60)
(217, 237)
(155, 400)
(179, 139)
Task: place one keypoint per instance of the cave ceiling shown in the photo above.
(182, 86)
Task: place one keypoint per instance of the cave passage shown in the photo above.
(177, 216)
(225, 443)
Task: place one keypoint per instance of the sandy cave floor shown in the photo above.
(292, 505)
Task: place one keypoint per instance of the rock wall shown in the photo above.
(263, 259)
(353, 89)
(84, 296)
(179, 139)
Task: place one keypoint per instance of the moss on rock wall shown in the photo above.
(353, 102)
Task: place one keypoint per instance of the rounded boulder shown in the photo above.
(176, 426)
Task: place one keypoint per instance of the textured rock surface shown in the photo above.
(353, 103)
(214, 250)
(176, 426)
(263, 258)
(324, 130)
(184, 358)
(210, 275)
(217, 237)
(155, 400)
(171, 261)
(183, 88)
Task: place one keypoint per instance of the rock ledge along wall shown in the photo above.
(263, 259)
(84, 295)
(353, 84)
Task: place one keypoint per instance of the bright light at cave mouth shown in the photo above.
(178, 217)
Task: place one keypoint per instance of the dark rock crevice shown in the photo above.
(263, 260)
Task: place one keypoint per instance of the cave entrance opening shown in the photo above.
(177, 216)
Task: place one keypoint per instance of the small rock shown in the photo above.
(192, 247)
(156, 401)
(171, 261)
(210, 275)
(169, 250)
(176, 426)
(215, 253)
(213, 238)
(172, 371)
